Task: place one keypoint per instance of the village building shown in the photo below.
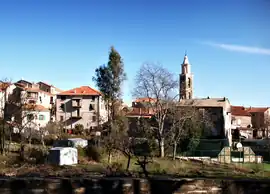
(260, 119)
(241, 122)
(83, 105)
(27, 106)
(219, 109)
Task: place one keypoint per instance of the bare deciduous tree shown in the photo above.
(158, 85)
(20, 114)
(186, 121)
(267, 124)
(4, 85)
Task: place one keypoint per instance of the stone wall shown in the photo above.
(135, 186)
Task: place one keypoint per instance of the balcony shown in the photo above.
(76, 115)
(76, 103)
(32, 96)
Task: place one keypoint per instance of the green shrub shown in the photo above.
(49, 139)
(81, 152)
(93, 153)
(79, 129)
(257, 168)
(38, 154)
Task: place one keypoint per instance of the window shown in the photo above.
(94, 118)
(93, 98)
(91, 107)
(30, 117)
(40, 99)
(62, 106)
(189, 82)
(61, 118)
(51, 99)
(41, 117)
(63, 97)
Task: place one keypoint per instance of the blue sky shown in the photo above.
(63, 41)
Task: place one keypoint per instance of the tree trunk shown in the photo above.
(161, 148)
(22, 152)
(128, 163)
(174, 150)
(42, 141)
(2, 138)
(109, 157)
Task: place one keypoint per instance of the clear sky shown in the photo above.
(63, 41)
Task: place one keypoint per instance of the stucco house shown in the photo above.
(83, 105)
(219, 110)
(241, 121)
(260, 119)
(6, 90)
(25, 94)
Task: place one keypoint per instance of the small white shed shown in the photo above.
(63, 156)
(79, 142)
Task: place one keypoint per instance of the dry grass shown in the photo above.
(158, 166)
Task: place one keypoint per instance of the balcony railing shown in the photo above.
(75, 116)
(76, 104)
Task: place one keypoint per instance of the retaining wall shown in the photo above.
(127, 185)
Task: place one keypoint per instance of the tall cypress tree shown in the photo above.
(109, 79)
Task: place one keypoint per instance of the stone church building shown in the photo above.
(218, 108)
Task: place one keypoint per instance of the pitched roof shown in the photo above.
(4, 85)
(204, 102)
(57, 89)
(257, 109)
(35, 107)
(44, 83)
(239, 111)
(83, 90)
(37, 90)
(22, 80)
(138, 112)
(146, 99)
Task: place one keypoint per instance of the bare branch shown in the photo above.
(157, 85)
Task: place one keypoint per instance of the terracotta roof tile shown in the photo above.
(257, 109)
(239, 111)
(4, 85)
(137, 112)
(35, 107)
(83, 90)
(145, 100)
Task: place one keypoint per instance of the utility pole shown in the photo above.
(65, 107)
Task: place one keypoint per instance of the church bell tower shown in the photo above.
(186, 80)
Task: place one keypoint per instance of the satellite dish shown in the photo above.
(239, 145)
(239, 121)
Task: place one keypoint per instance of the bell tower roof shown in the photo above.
(186, 62)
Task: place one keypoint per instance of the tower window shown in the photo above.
(189, 82)
(189, 95)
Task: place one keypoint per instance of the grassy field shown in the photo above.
(117, 167)
(262, 166)
(158, 166)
